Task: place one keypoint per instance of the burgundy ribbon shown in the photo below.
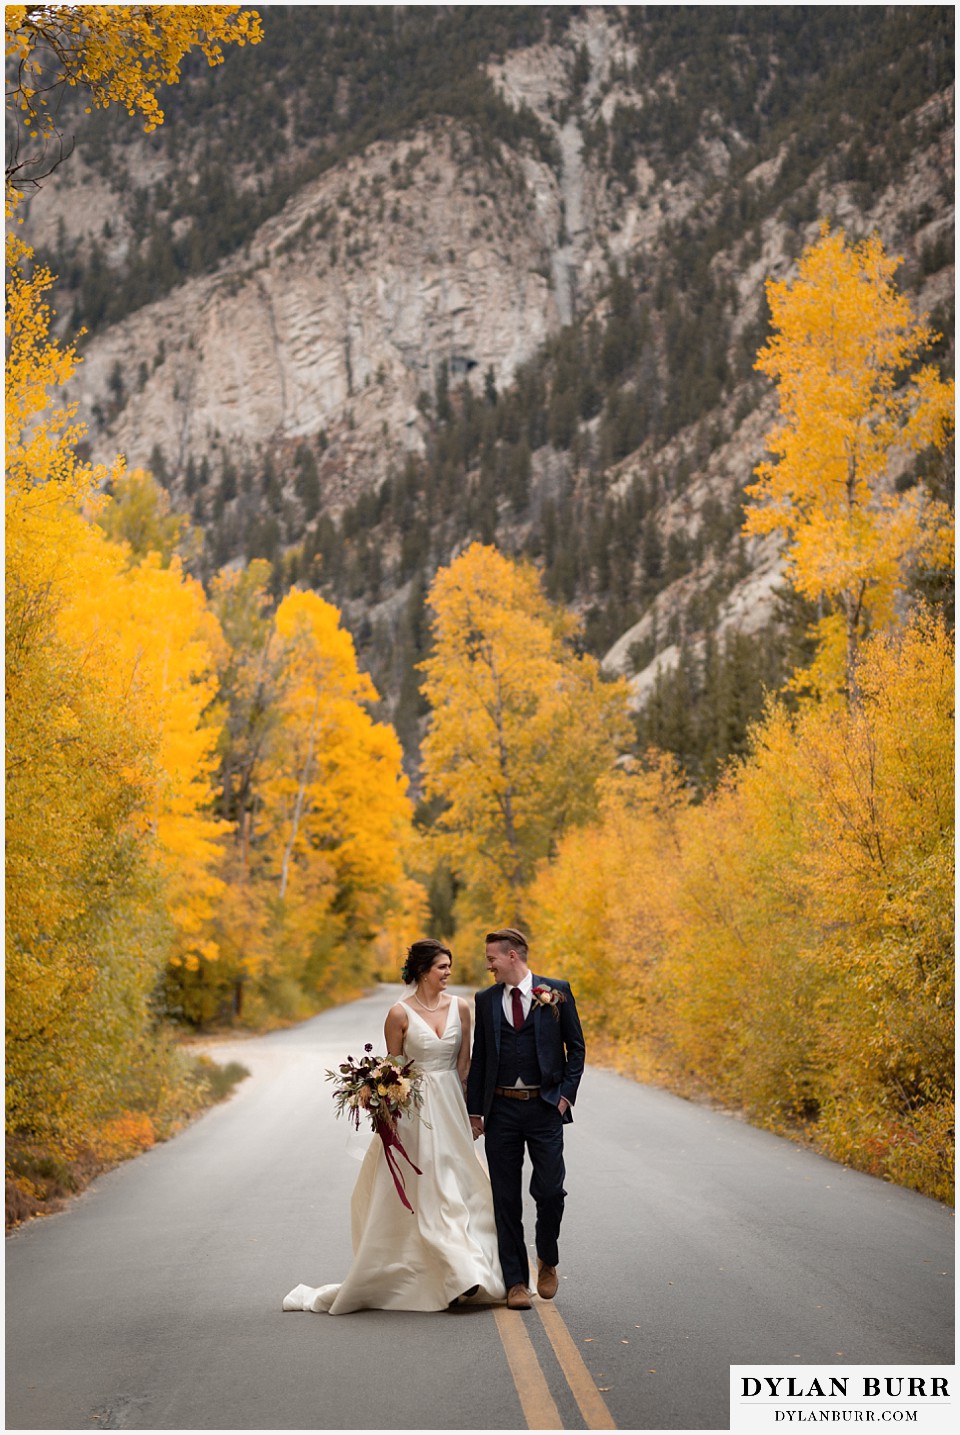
(388, 1135)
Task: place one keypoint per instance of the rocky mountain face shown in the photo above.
(334, 319)
(339, 312)
(530, 318)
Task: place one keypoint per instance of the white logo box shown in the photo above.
(776, 1398)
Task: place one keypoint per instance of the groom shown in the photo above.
(527, 1062)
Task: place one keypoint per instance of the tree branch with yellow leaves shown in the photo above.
(115, 54)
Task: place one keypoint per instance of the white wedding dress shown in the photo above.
(448, 1245)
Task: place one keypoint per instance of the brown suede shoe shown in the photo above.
(518, 1298)
(546, 1280)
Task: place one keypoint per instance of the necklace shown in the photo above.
(424, 1005)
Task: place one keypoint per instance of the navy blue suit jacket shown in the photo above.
(560, 1048)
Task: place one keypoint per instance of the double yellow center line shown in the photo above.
(538, 1405)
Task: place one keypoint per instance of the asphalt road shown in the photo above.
(691, 1242)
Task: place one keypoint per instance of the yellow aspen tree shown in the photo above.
(148, 632)
(99, 732)
(105, 768)
(76, 781)
(880, 875)
(73, 764)
(41, 436)
(521, 726)
(743, 990)
(843, 339)
(405, 916)
(130, 650)
(786, 945)
(140, 515)
(604, 907)
(333, 812)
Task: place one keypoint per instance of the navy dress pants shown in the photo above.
(512, 1128)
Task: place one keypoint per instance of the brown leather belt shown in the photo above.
(518, 1093)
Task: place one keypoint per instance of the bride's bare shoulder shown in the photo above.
(397, 1021)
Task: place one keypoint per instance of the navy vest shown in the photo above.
(518, 1054)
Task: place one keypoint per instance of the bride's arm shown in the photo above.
(395, 1029)
(463, 1060)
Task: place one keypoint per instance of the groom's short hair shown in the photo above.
(510, 937)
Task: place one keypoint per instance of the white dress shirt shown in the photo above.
(525, 989)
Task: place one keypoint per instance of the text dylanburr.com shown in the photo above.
(767, 1398)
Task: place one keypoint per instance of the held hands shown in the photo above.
(476, 1122)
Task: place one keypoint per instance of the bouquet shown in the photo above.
(384, 1087)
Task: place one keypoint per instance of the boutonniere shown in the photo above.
(549, 997)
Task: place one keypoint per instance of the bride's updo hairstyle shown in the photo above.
(420, 958)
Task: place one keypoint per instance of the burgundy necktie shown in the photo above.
(517, 1008)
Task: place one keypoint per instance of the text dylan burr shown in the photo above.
(890, 1387)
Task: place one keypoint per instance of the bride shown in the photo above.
(448, 1248)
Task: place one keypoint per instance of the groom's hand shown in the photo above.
(476, 1126)
(562, 1105)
